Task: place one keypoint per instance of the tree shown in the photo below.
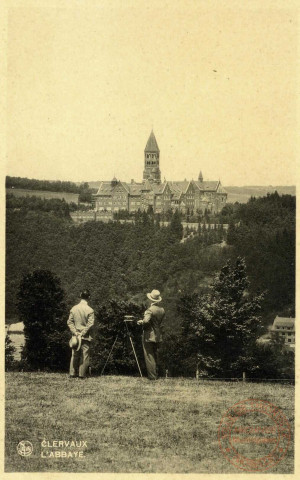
(263, 231)
(42, 309)
(224, 324)
(176, 227)
(231, 232)
(85, 196)
(9, 353)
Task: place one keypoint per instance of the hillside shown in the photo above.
(242, 194)
(121, 432)
(125, 261)
(21, 192)
(114, 260)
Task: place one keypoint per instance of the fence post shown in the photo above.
(197, 372)
(167, 371)
(244, 376)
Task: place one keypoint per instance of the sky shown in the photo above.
(217, 82)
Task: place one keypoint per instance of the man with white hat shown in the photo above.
(80, 321)
(152, 334)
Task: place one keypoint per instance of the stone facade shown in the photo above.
(193, 196)
(285, 327)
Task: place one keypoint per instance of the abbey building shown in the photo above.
(193, 196)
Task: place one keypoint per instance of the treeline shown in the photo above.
(220, 331)
(117, 260)
(114, 260)
(27, 204)
(217, 338)
(263, 231)
(51, 186)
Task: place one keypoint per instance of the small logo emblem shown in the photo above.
(25, 448)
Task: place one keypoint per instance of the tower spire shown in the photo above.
(151, 160)
(151, 145)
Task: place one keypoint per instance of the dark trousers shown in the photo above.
(80, 360)
(150, 354)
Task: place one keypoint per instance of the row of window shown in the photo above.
(284, 328)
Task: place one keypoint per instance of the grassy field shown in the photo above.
(20, 192)
(128, 424)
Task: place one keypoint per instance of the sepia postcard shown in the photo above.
(149, 174)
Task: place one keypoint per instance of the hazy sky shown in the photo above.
(88, 80)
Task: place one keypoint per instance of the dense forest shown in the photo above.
(85, 192)
(263, 231)
(125, 260)
(121, 262)
(113, 260)
(51, 186)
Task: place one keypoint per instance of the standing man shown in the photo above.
(152, 335)
(80, 321)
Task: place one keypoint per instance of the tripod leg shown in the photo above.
(109, 355)
(135, 356)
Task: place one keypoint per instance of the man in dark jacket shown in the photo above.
(152, 334)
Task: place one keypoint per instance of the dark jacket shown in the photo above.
(152, 321)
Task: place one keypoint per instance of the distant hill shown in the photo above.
(242, 194)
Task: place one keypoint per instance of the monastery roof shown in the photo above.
(152, 144)
(125, 185)
(159, 188)
(207, 186)
(221, 189)
(105, 188)
(179, 187)
(283, 322)
(135, 188)
(146, 185)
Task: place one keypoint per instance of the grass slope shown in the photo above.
(20, 192)
(129, 424)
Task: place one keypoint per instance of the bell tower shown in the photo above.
(151, 161)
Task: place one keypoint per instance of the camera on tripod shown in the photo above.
(129, 318)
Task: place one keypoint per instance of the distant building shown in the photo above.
(15, 332)
(286, 328)
(187, 196)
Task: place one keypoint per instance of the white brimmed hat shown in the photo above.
(75, 342)
(154, 296)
